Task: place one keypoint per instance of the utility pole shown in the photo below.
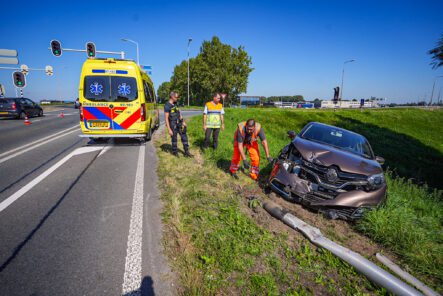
(342, 77)
(189, 42)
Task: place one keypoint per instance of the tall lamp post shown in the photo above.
(342, 77)
(189, 42)
(433, 86)
(136, 43)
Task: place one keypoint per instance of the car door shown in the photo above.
(24, 106)
(32, 107)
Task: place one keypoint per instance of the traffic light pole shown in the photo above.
(121, 53)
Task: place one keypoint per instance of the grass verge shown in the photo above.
(211, 216)
(218, 243)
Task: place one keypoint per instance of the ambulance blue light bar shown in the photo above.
(109, 71)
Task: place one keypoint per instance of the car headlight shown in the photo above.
(376, 181)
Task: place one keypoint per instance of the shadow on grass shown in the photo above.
(168, 149)
(224, 165)
(406, 156)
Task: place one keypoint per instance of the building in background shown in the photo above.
(348, 104)
(246, 101)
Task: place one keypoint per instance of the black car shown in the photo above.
(19, 107)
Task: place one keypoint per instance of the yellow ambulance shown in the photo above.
(117, 99)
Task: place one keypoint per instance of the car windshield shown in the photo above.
(338, 138)
(110, 88)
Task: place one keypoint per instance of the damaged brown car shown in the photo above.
(331, 170)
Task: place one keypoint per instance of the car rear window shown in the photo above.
(110, 88)
(6, 101)
(338, 138)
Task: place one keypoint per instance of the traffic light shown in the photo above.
(19, 79)
(56, 48)
(90, 49)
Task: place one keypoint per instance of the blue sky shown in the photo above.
(297, 47)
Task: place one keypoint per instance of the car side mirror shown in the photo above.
(380, 160)
(292, 135)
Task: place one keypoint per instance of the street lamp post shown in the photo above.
(433, 86)
(342, 77)
(189, 42)
(136, 43)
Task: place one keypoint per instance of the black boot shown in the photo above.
(187, 154)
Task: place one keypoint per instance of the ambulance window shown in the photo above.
(123, 89)
(147, 94)
(148, 90)
(96, 88)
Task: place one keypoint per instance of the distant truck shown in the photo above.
(305, 105)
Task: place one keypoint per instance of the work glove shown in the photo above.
(246, 164)
(270, 159)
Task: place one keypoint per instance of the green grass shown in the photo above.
(216, 247)
(411, 141)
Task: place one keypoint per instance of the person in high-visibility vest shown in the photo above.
(213, 120)
(247, 135)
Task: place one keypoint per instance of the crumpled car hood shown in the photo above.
(326, 155)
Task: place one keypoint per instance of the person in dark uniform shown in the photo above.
(176, 124)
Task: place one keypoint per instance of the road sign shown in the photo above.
(2, 90)
(9, 61)
(25, 69)
(8, 52)
(49, 71)
(362, 102)
(147, 67)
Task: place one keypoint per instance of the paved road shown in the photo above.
(78, 217)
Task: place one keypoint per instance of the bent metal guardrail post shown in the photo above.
(373, 272)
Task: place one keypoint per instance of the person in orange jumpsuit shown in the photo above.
(247, 135)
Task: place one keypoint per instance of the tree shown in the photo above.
(163, 91)
(437, 54)
(217, 68)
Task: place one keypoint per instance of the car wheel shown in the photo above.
(40, 113)
(22, 115)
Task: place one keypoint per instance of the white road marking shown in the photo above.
(39, 140)
(35, 146)
(8, 201)
(132, 278)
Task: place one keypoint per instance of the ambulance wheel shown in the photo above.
(149, 135)
(157, 124)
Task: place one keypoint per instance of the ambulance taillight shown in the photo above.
(143, 112)
(80, 107)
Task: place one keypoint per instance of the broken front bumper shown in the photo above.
(315, 193)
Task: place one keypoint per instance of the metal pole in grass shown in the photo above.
(189, 42)
(433, 86)
(342, 77)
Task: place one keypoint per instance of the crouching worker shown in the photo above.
(175, 124)
(247, 135)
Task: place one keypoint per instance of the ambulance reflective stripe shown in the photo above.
(214, 115)
(131, 119)
(105, 113)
